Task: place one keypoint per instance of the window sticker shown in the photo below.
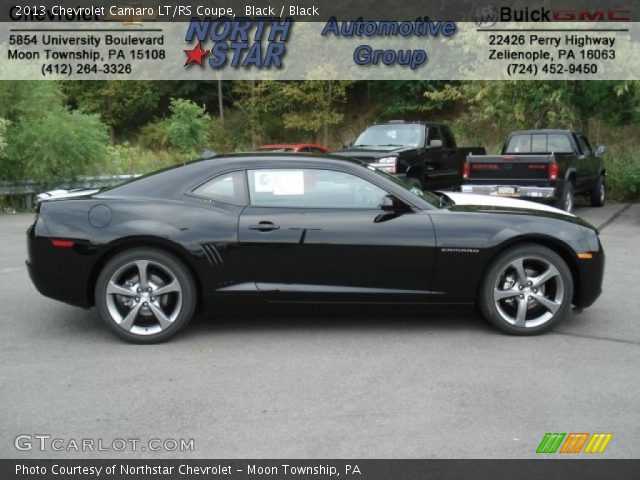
(288, 183)
(263, 181)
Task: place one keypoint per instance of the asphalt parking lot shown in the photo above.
(333, 384)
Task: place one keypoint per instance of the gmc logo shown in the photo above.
(592, 15)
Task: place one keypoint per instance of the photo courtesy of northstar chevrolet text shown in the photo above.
(311, 239)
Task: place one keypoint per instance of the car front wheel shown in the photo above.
(527, 290)
(145, 295)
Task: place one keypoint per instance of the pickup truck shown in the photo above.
(424, 154)
(550, 166)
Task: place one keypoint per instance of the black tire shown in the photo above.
(557, 290)
(414, 182)
(567, 199)
(163, 270)
(599, 193)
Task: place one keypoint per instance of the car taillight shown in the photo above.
(553, 171)
(465, 171)
(63, 243)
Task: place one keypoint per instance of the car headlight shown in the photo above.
(388, 164)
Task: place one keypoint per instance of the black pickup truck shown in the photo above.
(551, 166)
(425, 154)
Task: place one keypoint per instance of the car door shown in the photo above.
(588, 164)
(435, 165)
(320, 235)
(451, 162)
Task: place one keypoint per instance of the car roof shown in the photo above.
(292, 145)
(283, 157)
(542, 130)
(402, 122)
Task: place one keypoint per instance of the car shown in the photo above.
(294, 147)
(424, 154)
(550, 166)
(306, 229)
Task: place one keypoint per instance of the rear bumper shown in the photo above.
(515, 191)
(58, 273)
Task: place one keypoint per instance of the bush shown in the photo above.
(187, 127)
(129, 160)
(623, 178)
(54, 145)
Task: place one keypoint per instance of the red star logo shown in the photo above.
(195, 55)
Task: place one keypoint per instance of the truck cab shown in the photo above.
(424, 154)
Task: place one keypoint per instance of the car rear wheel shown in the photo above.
(566, 201)
(527, 290)
(599, 193)
(145, 295)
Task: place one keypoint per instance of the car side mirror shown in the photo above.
(600, 150)
(347, 145)
(435, 144)
(390, 203)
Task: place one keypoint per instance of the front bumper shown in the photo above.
(591, 274)
(515, 191)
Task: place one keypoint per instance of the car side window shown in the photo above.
(584, 145)
(228, 188)
(448, 138)
(559, 143)
(311, 188)
(434, 134)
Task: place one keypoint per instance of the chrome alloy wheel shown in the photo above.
(143, 297)
(528, 292)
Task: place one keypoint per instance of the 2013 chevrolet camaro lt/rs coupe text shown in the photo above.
(306, 228)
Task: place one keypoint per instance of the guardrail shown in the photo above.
(29, 188)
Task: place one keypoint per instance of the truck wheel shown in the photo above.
(414, 182)
(566, 200)
(599, 193)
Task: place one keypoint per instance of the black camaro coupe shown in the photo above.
(316, 229)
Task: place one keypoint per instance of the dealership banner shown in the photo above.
(312, 40)
(318, 469)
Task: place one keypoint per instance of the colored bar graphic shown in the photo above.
(598, 443)
(550, 443)
(574, 442)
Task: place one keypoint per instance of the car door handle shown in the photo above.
(264, 227)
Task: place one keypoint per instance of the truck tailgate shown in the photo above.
(512, 168)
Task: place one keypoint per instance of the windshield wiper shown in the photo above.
(390, 145)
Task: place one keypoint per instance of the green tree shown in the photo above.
(312, 105)
(44, 139)
(118, 102)
(187, 127)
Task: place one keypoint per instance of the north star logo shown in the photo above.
(195, 55)
(242, 42)
(460, 250)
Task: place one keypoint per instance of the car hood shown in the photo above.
(475, 200)
(372, 152)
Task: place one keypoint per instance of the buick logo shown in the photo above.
(485, 16)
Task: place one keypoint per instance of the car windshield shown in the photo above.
(391, 136)
(424, 195)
